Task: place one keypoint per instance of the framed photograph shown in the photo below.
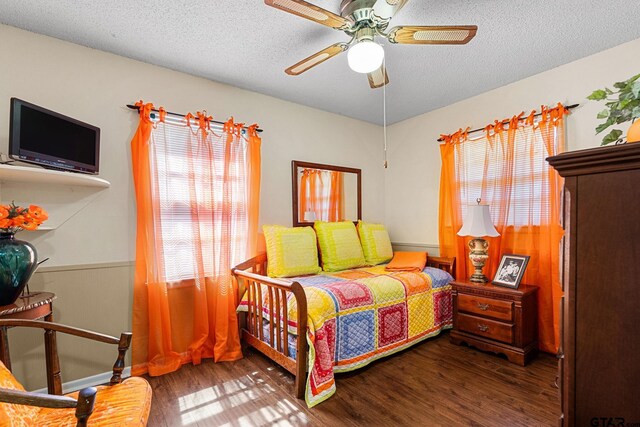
(511, 270)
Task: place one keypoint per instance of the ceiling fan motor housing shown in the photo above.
(356, 8)
(362, 13)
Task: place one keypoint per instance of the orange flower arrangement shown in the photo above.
(14, 218)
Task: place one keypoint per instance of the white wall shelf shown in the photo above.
(9, 173)
(61, 194)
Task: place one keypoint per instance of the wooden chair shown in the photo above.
(121, 403)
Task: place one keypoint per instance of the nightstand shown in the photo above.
(497, 319)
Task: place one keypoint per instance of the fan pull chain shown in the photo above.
(384, 109)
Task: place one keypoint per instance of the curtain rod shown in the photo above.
(569, 107)
(135, 107)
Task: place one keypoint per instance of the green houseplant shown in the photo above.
(623, 105)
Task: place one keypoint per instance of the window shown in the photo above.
(202, 191)
(514, 177)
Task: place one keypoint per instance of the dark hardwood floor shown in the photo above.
(434, 383)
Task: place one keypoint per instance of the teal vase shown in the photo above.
(18, 261)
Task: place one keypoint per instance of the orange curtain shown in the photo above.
(336, 196)
(197, 197)
(507, 169)
(308, 196)
(322, 193)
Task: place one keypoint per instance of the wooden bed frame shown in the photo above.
(251, 274)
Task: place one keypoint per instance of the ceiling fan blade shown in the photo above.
(460, 34)
(378, 78)
(386, 9)
(311, 12)
(316, 58)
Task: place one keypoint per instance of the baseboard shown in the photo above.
(91, 381)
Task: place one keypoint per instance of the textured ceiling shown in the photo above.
(247, 44)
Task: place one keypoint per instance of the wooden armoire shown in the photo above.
(599, 358)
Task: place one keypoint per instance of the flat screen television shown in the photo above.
(52, 140)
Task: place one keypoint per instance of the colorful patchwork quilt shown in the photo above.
(358, 316)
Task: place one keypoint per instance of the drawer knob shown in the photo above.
(483, 328)
(483, 307)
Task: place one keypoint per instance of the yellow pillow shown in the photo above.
(339, 245)
(376, 244)
(291, 251)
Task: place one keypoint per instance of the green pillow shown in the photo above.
(339, 245)
(291, 251)
(376, 244)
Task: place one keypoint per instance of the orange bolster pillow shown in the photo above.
(407, 261)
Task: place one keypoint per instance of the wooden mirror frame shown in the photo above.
(296, 164)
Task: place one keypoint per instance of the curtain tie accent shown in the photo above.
(188, 118)
(228, 125)
(547, 114)
(531, 118)
(515, 121)
(454, 138)
(234, 128)
(498, 126)
(558, 112)
(544, 114)
(253, 130)
(140, 105)
(493, 128)
(563, 109)
(487, 130)
(144, 110)
(204, 121)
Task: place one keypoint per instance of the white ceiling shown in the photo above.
(247, 44)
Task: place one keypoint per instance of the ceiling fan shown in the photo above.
(363, 20)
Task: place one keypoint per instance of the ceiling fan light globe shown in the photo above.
(365, 56)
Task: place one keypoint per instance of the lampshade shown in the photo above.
(478, 222)
(365, 56)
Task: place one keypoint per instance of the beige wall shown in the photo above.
(94, 86)
(412, 180)
(94, 297)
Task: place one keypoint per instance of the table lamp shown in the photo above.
(477, 224)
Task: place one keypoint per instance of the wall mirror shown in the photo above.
(325, 193)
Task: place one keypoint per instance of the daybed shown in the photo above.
(351, 317)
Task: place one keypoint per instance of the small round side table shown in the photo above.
(33, 306)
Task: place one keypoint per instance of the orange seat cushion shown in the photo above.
(125, 404)
(11, 414)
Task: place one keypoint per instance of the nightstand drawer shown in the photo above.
(487, 328)
(498, 309)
